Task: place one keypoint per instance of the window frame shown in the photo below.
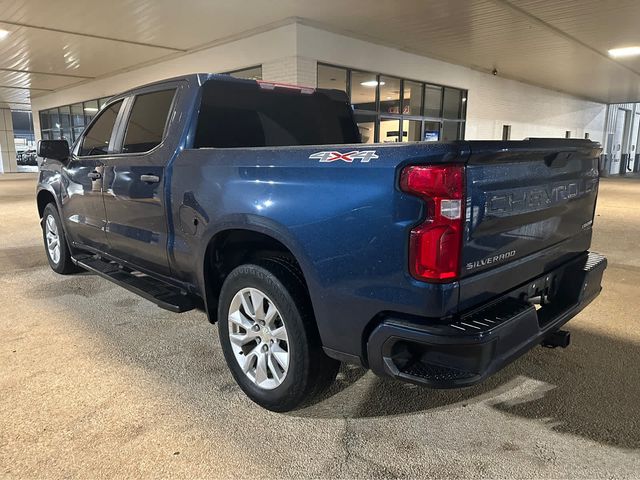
(128, 110)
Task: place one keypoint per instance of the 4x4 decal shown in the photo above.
(365, 156)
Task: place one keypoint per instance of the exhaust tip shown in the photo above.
(559, 338)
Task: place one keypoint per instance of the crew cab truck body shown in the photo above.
(436, 263)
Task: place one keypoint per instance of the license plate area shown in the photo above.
(552, 293)
(541, 291)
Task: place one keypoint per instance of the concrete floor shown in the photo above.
(96, 382)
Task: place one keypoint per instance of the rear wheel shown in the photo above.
(269, 338)
(55, 242)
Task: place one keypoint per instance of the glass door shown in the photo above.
(431, 132)
(390, 130)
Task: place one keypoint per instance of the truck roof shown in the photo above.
(201, 78)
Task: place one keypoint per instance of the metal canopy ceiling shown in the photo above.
(560, 45)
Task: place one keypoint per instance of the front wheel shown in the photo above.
(55, 242)
(269, 338)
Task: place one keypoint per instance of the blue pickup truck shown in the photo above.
(434, 263)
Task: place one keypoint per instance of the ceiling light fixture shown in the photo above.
(4, 33)
(371, 83)
(624, 52)
(90, 109)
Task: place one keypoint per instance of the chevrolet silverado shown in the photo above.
(256, 202)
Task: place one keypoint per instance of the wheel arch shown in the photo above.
(232, 247)
(43, 198)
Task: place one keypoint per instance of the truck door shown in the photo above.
(83, 207)
(134, 189)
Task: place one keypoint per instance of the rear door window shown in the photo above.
(96, 140)
(147, 121)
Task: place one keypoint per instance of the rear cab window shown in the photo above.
(249, 114)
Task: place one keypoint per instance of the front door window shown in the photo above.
(96, 140)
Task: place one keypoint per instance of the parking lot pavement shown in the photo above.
(96, 382)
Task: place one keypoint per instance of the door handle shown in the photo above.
(150, 178)
(94, 175)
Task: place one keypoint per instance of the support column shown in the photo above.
(293, 70)
(7, 145)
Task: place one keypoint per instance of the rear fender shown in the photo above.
(257, 224)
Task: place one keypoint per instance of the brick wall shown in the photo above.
(294, 69)
(531, 111)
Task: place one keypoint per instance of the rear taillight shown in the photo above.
(435, 244)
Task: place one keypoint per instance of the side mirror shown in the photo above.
(54, 149)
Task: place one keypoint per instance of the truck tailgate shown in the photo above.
(529, 207)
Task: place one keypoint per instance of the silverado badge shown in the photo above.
(490, 260)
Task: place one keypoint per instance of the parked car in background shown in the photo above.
(435, 263)
(27, 157)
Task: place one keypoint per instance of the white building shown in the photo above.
(303, 55)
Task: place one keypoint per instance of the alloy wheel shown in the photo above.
(258, 338)
(53, 239)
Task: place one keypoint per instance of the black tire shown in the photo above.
(63, 265)
(310, 370)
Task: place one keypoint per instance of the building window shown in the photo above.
(22, 131)
(332, 77)
(364, 86)
(567, 134)
(412, 98)
(390, 95)
(433, 101)
(452, 104)
(506, 132)
(69, 121)
(251, 73)
(392, 109)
